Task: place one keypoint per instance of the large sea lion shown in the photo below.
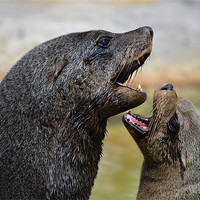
(170, 143)
(54, 106)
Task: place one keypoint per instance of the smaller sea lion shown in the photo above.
(170, 143)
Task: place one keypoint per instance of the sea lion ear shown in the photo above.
(183, 161)
(57, 69)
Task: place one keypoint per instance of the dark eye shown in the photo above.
(173, 124)
(104, 42)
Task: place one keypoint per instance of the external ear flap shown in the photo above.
(57, 69)
(183, 161)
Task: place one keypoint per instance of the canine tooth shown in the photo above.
(138, 62)
(139, 88)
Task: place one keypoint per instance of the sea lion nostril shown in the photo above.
(168, 87)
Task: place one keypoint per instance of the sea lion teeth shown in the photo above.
(139, 88)
(125, 85)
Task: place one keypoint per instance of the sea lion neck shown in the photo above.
(77, 151)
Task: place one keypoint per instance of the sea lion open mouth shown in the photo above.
(140, 124)
(134, 53)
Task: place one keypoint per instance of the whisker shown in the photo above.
(157, 106)
(122, 61)
(153, 133)
(129, 66)
(121, 70)
(157, 102)
(157, 118)
(136, 72)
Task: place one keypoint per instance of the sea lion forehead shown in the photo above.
(96, 34)
(186, 105)
(185, 108)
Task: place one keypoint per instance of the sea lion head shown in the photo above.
(103, 63)
(171, 136)
(80, 72)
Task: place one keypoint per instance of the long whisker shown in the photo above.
(157, 103)
(129, 66)
(125, 52)
(121, 70)
(156, 118)
(157, 100)
(156, 108)
(136, 72)
(154, 129)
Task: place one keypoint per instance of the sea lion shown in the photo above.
(54, 106)
(170, 143)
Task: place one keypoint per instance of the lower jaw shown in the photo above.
(124, 99)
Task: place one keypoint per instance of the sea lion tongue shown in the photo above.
(137, 124)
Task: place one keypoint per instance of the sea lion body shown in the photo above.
(54, 106)
(170, 143)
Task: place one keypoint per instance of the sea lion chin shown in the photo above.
(170, 143)
(54, 106)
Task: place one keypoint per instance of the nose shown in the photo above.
(168, 87)
(150, 30)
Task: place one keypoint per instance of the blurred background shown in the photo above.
(175, 59)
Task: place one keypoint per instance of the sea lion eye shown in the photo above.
(173, 124)
(104, 42)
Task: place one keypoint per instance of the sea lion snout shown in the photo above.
(165, 97)
(168, 87)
